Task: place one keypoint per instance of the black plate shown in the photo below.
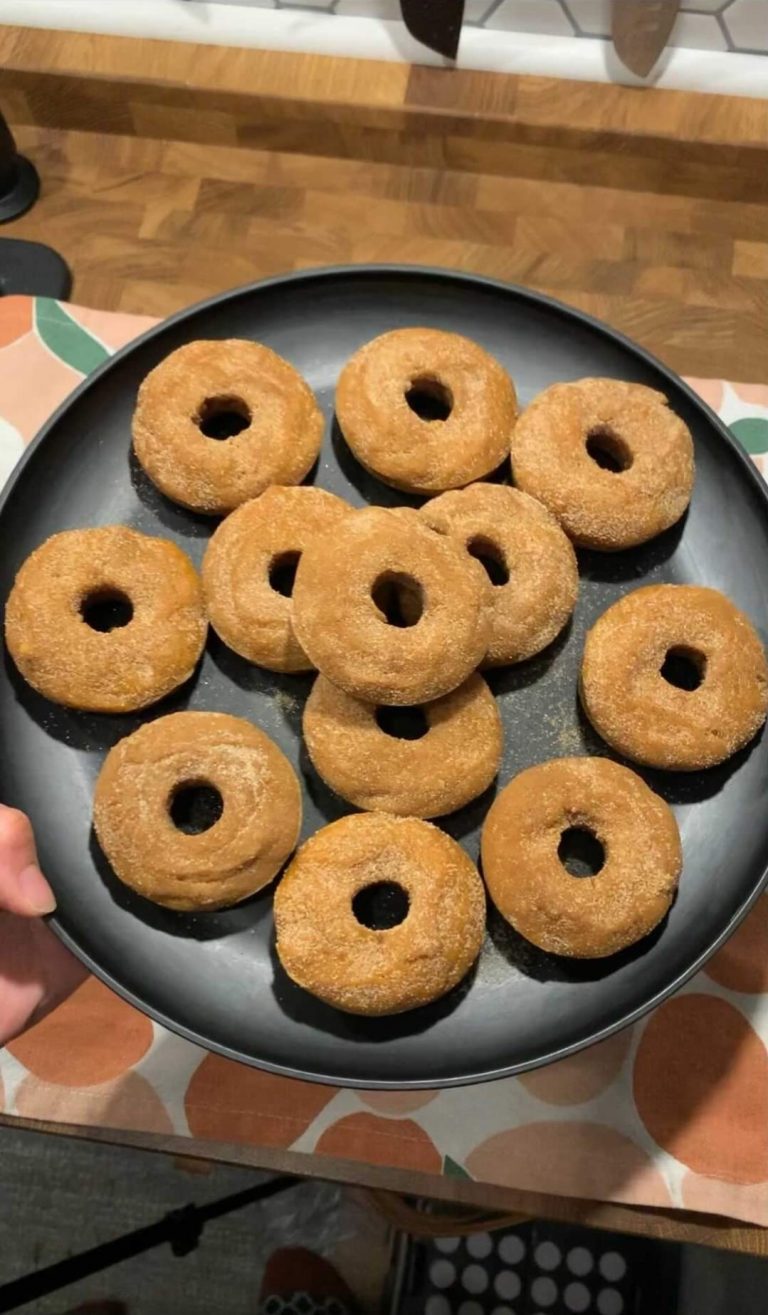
(214, 977)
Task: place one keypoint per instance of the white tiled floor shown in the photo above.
(545, 16)
(702, 25)
(747, 24)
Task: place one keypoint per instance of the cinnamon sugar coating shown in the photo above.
(466, 399)
(277, 443)
(568, 430)
(115, 670)
(240, 853)
(589, 916)
(326, 950)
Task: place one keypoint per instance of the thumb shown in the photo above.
(23, 888)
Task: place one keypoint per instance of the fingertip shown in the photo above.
(35, 891)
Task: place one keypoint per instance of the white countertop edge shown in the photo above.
(583, 59)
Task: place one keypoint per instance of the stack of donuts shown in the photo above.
(399, 611)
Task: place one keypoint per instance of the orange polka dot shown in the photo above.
(396, 1102)
(230, 1102)
(398, 1143)
(710, 390)
(113, 328)
(569, 1159)
(15, 318)
(736, 1200)
(753, 394)
(93, 1037)
(701, 1088)
(742, 964)
(581, 1077)
(128, 1102)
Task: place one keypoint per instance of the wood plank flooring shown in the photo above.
(673, 253)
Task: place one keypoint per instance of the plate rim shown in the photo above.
(521, 293)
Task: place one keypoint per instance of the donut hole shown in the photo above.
(381, 906)
(195, 806)
(580, 852)
(490, 557)
(683, 667)
(282, 572)
(223, 417)
(608, 449)
(429, 399)
(399, 598)
(402, 723)
(106, 609)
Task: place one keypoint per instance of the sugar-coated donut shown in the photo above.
(106, 619)
(144, 779)
(609, 459)
(426, 410)
(675, 676)
(359, 750)
(536, 580)
(390, 611)
(242, 588)
(581, 916)
(325, 947)
(217, 422)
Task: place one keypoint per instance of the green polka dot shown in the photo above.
(752, 434)
(452, 1168)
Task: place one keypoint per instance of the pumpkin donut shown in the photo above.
(217, 422)
(531, 562)
(550, 808)
(372, 758)
(390, 611)
(609, 460)
(675, 676)
(426, 410)
(248, 568)
(145, 801)
(106, 619)
(424, 887)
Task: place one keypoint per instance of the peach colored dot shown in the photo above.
(93, 1037)
(701, 1088)
(752, 394)
(112, 328)
(15, 318)
(399, 1143)
(735, 1200)
(742, 964)
(396, 1102)
(710, 390)
(569, 1159)
(128, 1102)
(34, 383)
(229, 1102)
(581, 1077)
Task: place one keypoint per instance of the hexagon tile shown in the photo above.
(739, 25)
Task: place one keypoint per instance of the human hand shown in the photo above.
(36, 971)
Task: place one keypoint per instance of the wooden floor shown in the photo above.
(674, 252)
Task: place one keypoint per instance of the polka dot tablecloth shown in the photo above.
(673, 1112)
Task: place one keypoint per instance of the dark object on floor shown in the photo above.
(536, 1267)
(19, 183)
(436, 23)
(300, 1282)
(182, 1229)
(25, 267)
(32, 270)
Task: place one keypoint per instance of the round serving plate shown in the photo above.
(214, 977)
